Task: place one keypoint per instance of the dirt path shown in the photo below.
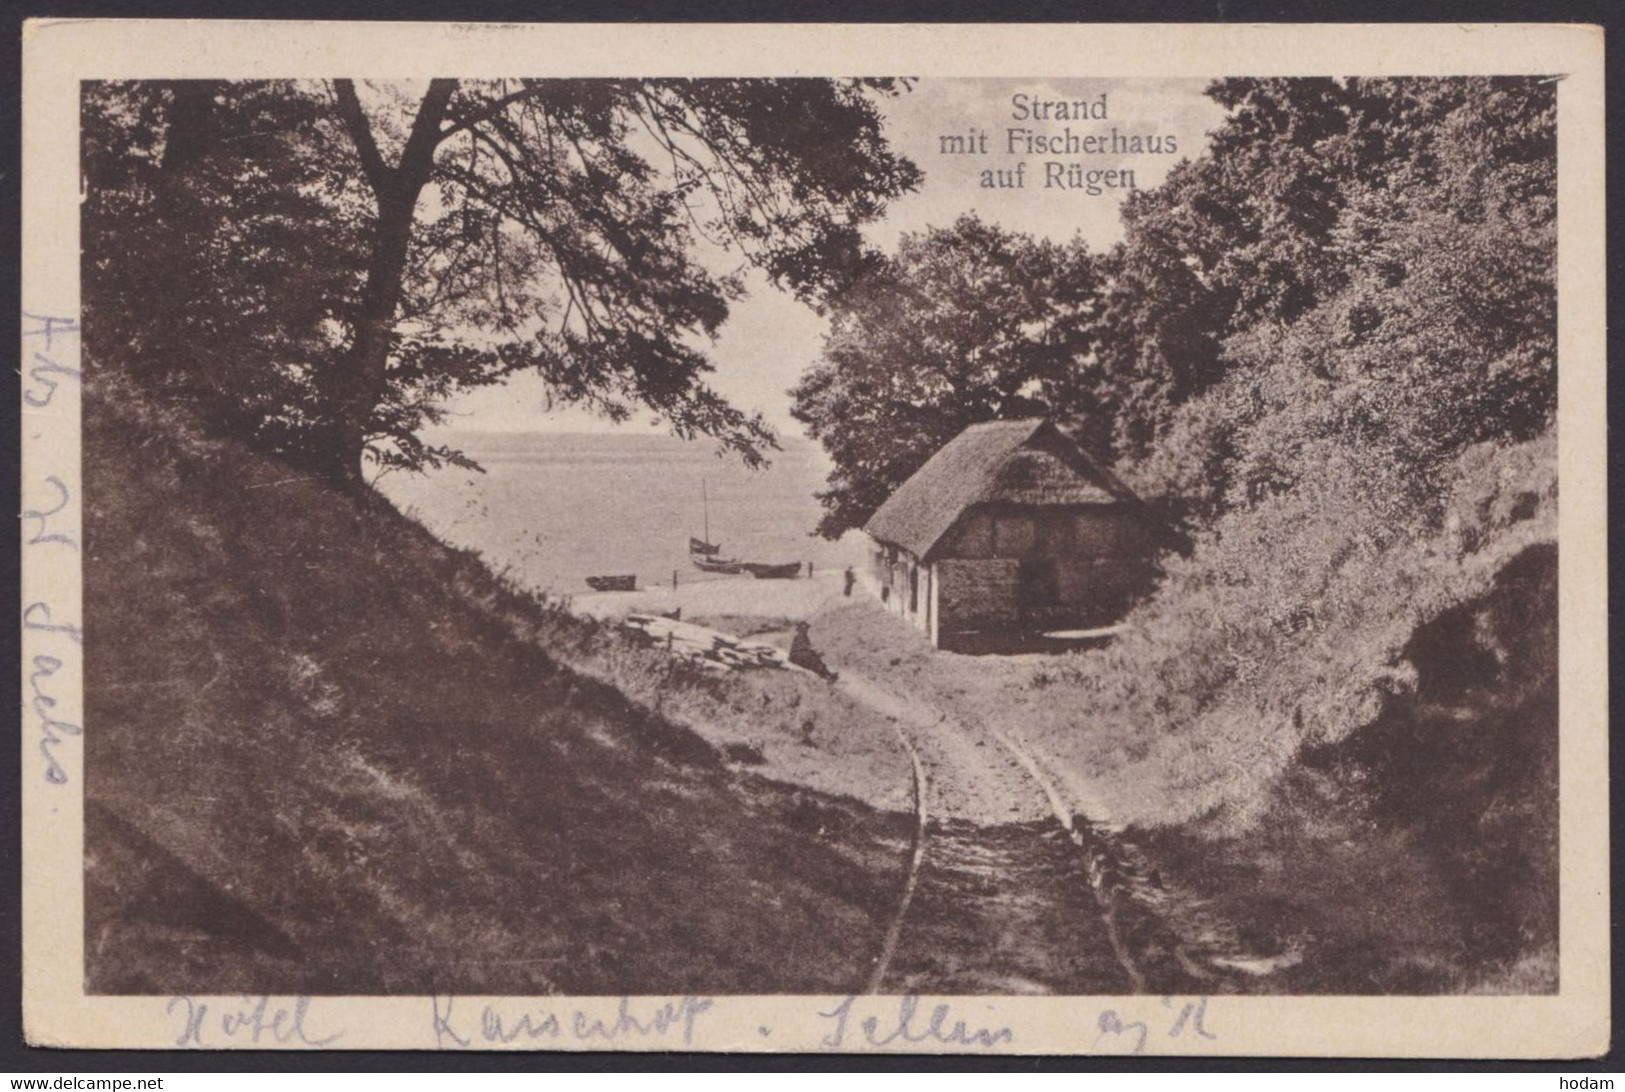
(1006, 887)
(972, 775)
(998, 897)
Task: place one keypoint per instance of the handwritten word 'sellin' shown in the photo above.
(899, 1023)
(249, 1021)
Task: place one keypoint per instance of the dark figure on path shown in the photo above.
(851, 578)
(802, 654)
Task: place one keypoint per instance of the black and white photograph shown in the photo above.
(898, 541)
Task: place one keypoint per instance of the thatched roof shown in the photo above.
(1024, 462)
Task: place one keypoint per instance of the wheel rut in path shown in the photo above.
(1004, 892)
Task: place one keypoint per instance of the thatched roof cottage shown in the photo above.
(1008, 532)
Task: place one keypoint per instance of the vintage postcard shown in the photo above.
(984, 539)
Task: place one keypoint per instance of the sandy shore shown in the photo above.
(706, 596)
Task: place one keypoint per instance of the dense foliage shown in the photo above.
(1377, 438)
(321, 264)
(1360, 262)
(1326, 347)
(218, 262)
(1375, 263)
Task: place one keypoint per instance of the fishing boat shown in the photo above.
(704, 547)
(625, 582)
(787, 571)
(717, 564)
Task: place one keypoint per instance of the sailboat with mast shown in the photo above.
(702, 551)
(704, 547)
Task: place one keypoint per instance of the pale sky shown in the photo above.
(770, 339)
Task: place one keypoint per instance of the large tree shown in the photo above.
(445, 237)
(963, 324)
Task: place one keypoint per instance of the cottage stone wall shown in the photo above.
(1056, 568)
(976, 594)
(1097, 591)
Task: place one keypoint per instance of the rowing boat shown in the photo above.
(787, 571)
(717, 564)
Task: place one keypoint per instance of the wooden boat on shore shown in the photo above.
(703, 553)
(788, 571)
(725, 565)
(625, 582)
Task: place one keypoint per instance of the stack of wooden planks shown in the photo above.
(706, 647)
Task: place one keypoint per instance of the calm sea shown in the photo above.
(555, 508)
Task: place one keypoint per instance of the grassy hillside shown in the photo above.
(319, 760)
(1418, 853)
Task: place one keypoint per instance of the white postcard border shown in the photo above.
(60, 53)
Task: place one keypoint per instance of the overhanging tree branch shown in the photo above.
(360, 130)
(559, 241)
